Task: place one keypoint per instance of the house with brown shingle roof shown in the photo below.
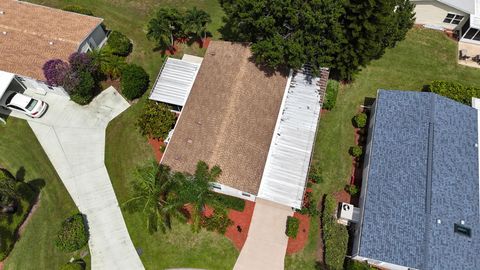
(31, 34)
(258, 126)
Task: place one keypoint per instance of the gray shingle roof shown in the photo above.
(424, 167)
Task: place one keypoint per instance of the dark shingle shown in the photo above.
(423, 167)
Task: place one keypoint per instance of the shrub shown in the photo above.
(78, 9)
(134, 81)
(331, 95)
(360, 120)
(73, 234)
(335, 236)
(292, 227)
(156, 120)
(82, 62)
(219, 221)
(55, 71)
(356, 151)
(231, 202)
(309, 206)
(83, 93)
(351, 189)
(315, 176)
(455, 91)
(119, 44)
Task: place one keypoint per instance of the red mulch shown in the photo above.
(297, 244)
(238, 231)
(156, 145)
(342, 196)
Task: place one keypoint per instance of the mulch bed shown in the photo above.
(297, 244)
(156, 146)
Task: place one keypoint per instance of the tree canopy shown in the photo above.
(344, 35)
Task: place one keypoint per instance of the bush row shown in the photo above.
(331, 95)
(455, 91)
(335, 236)
(292, 227)
(231, 202)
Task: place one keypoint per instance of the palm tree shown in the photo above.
(153, 194)
(196, 21)
(166, 26)
(197, 191)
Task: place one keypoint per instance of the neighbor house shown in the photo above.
(258, 125)
(31, 34)
(461, 17)
(419, 202)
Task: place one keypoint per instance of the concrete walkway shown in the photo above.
(73, 137)
(266, 242)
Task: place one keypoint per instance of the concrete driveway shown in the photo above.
(73, 137)
(266, 243)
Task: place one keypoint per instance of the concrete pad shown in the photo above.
(73, 138)
(266, 243)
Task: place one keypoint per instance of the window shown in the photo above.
(462, 230)
(453, 18)
(245, 194)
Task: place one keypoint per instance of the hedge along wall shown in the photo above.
(335, 236)
(331, 95)
(455, 91)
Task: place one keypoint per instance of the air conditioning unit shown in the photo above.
(348, 213)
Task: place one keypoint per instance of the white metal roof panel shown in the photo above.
(288, 160)
(175, 81)
(5, 80)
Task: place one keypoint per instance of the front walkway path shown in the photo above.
(266, 241)
(73, 137)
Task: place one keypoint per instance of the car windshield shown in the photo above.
(32, 104)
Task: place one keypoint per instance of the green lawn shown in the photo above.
(19, 148)
(126, 149)
(131, 17)
(424, 56)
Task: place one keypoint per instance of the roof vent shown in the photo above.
(4, 32)
(2, 12)
(50, 43)
(439, 221)
(463, 230)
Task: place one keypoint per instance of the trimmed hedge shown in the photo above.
(356, 151)
(356, 265)
(73, 234)
(134, 81)
(360, 120)
(335, 236)
(78, 9)
(455, 91)
(331, 95)
(119, 44)
(351, 189)
(231, 202)
(292, 227)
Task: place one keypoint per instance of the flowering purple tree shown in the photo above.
(55, 71)
(80, 62)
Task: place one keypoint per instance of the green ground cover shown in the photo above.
(20, 151)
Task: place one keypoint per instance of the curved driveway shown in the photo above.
(73, 137)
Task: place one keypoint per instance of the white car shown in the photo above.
(24, 104)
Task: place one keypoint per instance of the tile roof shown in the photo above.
(229, 117)
(29, 30)
(424, 167)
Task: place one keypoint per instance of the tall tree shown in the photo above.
(196, 21)
(153, 193)
(341, 34)
(197, 191)
(165, 27)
